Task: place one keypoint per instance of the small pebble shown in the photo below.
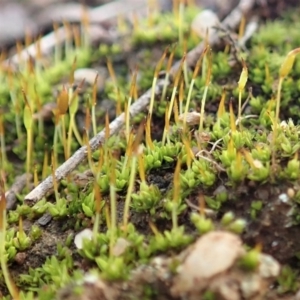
(20, 258)
(291, 193)
(213, 253)
(220, 189)
(45, 219)
(257, 164)
(84, 234)
(205, 23)
(284, 198)
(120, 247)
(191, 118)
(268, 266)
(89, 76)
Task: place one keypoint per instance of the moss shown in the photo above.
(203, 166)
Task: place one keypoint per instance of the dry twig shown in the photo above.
(47, 185)
(47, 43)
(16, 188)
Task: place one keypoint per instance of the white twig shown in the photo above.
(47, 43)
(80, 155)
(219, 168)
(207, 211)
(16, 188)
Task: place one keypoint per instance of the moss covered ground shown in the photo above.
(217, 149)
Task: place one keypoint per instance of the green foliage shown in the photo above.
(250, 261)
(147, 200)
(215, 162)
(174, 239)
(287, 280)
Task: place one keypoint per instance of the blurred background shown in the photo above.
(36, 16)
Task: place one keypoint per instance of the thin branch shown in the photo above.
(207, 211)
(48, 42)
(80, 155)
(16, 188)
